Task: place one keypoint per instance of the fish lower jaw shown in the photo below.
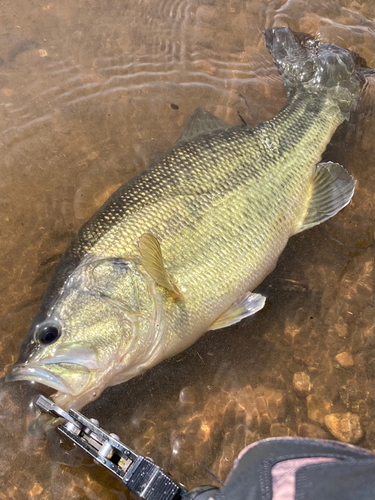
(48, 375)
(65, 397)
(36, 374)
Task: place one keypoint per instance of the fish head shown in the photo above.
(99, 331)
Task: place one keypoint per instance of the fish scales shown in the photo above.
(224, 228)
(180, 248)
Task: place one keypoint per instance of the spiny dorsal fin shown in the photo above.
(152, 261)
(332, 190)
(200, 122)
(248, 305)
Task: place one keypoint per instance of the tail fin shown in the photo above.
(305, 63)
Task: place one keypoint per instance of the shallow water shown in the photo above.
(90, 93)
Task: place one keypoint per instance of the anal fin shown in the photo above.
(247, 306)
(332, 190)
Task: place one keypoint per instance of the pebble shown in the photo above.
(36, 490)
(278, 430)
(312, 431)
(344, 359)
(7, 92)
(341, 330)
(302, 383)
(317, 408)
(344, 426)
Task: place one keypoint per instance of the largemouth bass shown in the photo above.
(179, 249)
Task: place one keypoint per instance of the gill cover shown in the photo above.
(102, 310)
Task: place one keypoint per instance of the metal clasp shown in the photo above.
(140, 474)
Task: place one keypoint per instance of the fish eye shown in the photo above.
(49, 334)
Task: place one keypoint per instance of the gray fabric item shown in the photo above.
(337, 481)
(347, 472)
(200, 493)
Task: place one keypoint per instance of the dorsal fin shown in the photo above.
(201, 122)
(152, 261)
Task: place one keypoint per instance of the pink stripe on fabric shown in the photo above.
(284, 475)
(257, 443)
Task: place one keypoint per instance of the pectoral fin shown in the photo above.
(152, 261)
(332, 190)
(247, 306)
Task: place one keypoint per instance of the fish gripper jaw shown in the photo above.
(140, 474)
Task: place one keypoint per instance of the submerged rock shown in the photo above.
(312, 431)
(344, 426)
(344, 359)
(277, 430)
(318, 408)
(302, 383)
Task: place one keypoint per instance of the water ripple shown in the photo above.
(125, 73)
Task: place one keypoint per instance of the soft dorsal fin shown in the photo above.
(332, 190)
(201, 122)
(247, 306)
(152, 261)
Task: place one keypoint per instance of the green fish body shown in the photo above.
(180, 248)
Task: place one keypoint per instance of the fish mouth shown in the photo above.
(36, 374)
(47, 377)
